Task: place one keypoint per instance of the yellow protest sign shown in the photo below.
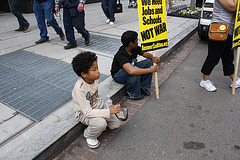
(152, 24)
(236, 33)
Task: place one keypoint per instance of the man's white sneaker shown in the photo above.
(93, 143)
(237, 83)
(108, 20)
(111, 23)
(208, 85)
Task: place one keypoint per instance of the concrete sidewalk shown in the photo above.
(23, 138)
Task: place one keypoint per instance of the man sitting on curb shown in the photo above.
(126, 70)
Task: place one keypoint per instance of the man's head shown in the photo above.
(85, 65)
(129, 38)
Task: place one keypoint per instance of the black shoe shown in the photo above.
(26, 29)
(128, 97)
(48, 25)
(145, 92)
(62, 36)
(19, 29)
(40, 41)
(87, 40)
(70, 45)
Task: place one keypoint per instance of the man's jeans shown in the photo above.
(108, 8)
(78, 22)
(135, 83)
(14, 6)
(44, 11)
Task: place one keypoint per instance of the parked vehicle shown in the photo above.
(205, 19)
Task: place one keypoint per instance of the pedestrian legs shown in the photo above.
(68, 26)
(108, 9)
(39, 13)
(14, 7)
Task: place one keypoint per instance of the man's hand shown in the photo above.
(57, 9)
(80, 7)
(115, 109)
(156, 59)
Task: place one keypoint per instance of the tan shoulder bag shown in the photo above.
(219, 31)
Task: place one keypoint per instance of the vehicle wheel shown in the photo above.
(202, 37)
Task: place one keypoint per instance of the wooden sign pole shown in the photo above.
(235, 71)
(156, 78)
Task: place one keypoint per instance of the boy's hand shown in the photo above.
(154, 68)
(115, 109)
(155, 59)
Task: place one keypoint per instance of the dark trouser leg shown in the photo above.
(105, 8)
(228, 58)
(14, 7)
(68, 26)
(146, 79)
(216, 50)
(111, 6)
(79, 24)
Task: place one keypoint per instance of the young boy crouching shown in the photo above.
(90, 109)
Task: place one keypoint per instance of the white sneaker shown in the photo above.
(208, 85)
(108, 20)
(237, 83)
(93, 143)
(111, 23)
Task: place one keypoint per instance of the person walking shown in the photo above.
(43, 9)
(73, 16)
(224, 12)
(108, 9)
(23, 23)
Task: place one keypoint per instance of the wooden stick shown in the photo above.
(235, 71)
(156, 78)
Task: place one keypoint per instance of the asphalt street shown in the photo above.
(186, 122)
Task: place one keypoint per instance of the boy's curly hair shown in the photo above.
(83, 62)
(128, 37)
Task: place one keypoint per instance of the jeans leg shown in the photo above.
(146, 79)
(79, 24)
(111, 6)
(39, 14)
(133, 86)
(14, 7)
(68, 26)
(132, 82)
(48, 11)
(105, 8)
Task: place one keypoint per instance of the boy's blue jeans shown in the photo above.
(44, 11)
(135, 83)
